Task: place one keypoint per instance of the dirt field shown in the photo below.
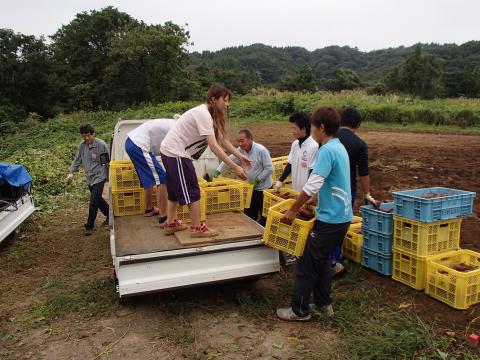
(56, 286)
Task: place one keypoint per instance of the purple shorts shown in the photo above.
(182, 182)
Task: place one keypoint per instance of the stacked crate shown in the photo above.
(352, 244)
(127, 195)
(426, 227)
(279, 164)
(377, 230)
(287, 237)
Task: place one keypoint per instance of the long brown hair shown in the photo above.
(219, 119)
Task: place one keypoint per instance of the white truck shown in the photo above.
(145, 260)
(16, 205)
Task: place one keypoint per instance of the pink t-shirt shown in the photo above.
(188, 136)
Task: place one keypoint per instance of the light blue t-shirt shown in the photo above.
(334, 197)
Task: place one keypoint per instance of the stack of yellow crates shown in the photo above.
(426, 244)
(127, 195)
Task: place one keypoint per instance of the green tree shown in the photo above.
(422, 74)
(80, 50)
(25, 68)
(146, 63)
(306, 79)
(343, 79)
(303, 80)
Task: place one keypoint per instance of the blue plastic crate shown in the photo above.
(377, 220)
(410, 204)
(378, 262)
(378, 242)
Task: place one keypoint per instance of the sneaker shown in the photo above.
(105, 223)
(287, 314)
(327, 309)
(88, 232)
(152, 212)
(290, 259)
(170, 229)
(202, 231)
(337, 269)
(162, 221)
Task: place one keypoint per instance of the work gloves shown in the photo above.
(278, 185)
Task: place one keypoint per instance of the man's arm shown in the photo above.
(311, 188)
(267, 165)
(287, 171)
(77, 161)
(75, 164)
(230, 148)
(364, 184)
(217, 150)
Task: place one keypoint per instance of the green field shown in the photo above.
(47, 148)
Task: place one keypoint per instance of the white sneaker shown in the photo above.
(287, 314)
(337, 269)
(290, 259)
(327, 309)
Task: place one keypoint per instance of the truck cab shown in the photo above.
(145, 260)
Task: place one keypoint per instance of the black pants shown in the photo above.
(313, 271)
(96, 202)
(255, 210)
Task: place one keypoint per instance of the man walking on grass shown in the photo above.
(93, 154)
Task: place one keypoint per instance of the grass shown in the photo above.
(91, 297)
(374, 329)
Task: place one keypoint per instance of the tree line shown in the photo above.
(107, 60)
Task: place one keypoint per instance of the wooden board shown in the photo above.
(231, 227)
(141, 235)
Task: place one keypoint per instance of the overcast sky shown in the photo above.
(215, 24)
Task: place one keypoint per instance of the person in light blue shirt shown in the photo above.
(329, 182)
(335, 206)
(260, 173)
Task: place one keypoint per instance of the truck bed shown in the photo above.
(135, 235)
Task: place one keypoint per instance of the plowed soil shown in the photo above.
(218, 321)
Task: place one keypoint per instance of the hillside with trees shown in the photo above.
(107, 60)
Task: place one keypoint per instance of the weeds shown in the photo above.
(91, 297)
(373, 329)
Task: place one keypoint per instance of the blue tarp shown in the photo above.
(15, 175)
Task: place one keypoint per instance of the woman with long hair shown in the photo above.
(202, 126)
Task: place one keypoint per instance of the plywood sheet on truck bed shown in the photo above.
(230, 226)
(142, 235)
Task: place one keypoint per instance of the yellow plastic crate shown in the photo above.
(424, 239)
(352, 244)
(280, 159)
(270, 198)
(455, 288)
(130, 202)
(288, 238)
(278, 167)
(287, 184)
(409, 269)
(247, 190)
(357, 220)
(223, 196)
(123, 175)
(183, 213)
